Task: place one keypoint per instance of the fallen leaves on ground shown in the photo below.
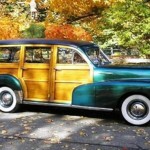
(49, 120)
(108, 138)
(4, 132)
(83, 133)
(141, 131)
(52, 140)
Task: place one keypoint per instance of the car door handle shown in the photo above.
(23, 68)
(56, 69)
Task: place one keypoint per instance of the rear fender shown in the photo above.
(13, 83)
(10, 81)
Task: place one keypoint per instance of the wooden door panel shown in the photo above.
(37, 90)
(72, 75)
(37, 83)
(63, 91)
(36, 73)
(67, 78)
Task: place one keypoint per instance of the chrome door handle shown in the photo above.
(23, 68)
(57, 69)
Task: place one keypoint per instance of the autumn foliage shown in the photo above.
(78, 7)
(54, 31)
(8, 29)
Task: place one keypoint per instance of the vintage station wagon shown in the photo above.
(71, 74)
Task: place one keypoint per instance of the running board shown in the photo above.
(67, 105)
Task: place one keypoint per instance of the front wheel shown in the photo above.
(8, 100)
(136, 109)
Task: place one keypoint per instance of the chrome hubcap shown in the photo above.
(138, 109)
(6, 99)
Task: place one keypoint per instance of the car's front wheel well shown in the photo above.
(123, 97)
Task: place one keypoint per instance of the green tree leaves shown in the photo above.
(122, 22)
(34, 31)
(130, 24)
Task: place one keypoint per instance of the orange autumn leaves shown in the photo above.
(78, 7)
(8, 29)
(58, 11)
(67, 31)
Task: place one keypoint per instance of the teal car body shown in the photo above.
(112, 72)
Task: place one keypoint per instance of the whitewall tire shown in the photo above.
(136, 109)
(8, 100)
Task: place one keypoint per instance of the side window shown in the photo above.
(77, 58)
(9, 54)
(68, 56)
(64, 55)
(37, 54)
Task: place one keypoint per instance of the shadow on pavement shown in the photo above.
(108, 116)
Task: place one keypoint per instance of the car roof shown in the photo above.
(45, 41)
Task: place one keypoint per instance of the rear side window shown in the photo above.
(37, 54)
(9, 54)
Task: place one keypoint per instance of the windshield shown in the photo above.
(96, 55)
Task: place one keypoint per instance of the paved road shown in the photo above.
(46, 128)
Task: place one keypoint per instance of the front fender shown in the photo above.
(100, 94)
(108, 94)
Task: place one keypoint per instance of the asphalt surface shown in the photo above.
(51, 128)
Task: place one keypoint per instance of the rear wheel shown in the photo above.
(8, 100)
(136, 109)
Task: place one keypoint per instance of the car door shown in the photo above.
(36, 73)
(70, 70)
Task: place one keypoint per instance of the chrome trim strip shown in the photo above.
(68, 105)
(92, 108)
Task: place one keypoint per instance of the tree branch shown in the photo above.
(94, 13)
